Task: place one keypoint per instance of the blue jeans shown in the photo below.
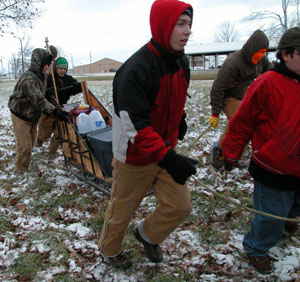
(265, 231)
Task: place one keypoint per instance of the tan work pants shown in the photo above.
(130, 185)
(47, 126)
(230, 107)
(25, 133)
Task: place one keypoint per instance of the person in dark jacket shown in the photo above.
(149, 94)
(66, 87)
(27, 103)
(234, 77)
(269, 117)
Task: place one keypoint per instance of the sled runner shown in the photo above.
(87, 155)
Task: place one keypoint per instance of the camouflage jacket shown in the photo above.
(28, 99)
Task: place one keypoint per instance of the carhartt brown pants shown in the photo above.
(130, 185)
(25, 133)
(47, 126)
(230, 107)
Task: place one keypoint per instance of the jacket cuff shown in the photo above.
(228, 160)
(167, 159)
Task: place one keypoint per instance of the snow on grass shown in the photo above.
(50, 213)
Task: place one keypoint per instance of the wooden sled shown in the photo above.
(79, 158)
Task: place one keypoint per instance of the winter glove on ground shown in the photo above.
(61, 115)
(214, 120)
(178, 166)
(182, 129)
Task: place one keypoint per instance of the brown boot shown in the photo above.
(152, 251)
(52, 155)
(122, 261)
(291, 227)
(261, 264)
(39, 142)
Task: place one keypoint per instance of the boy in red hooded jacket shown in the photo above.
(269, 117)
(149, 94)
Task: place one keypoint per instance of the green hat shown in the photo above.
(61, 63)
(291, 38)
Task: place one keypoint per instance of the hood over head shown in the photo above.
(257, 41)
(164, 15)
(39, 58)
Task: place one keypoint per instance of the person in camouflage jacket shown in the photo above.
(26, 105)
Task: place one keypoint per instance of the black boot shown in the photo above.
(217, 157)
(121, 261)
(152, 251)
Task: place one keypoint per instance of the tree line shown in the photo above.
(18, 15)
(272, 23)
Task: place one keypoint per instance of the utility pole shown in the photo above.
(22, 54)
(90, 62)
(1, 65)
(72, 61)
(284, 8)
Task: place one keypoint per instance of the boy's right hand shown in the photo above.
(178, 166)
(61, 115)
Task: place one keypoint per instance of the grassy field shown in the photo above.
(50, 220)
(195, 75)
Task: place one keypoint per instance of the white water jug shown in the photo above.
(83, 123)
(96, 120)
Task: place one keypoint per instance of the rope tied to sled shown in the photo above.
(219, 195)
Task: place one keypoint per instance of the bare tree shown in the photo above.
(18, 12)
(25, 51)
(226, 32)
(15, 65)
(20, 61)
(275, 24)
(62, 53)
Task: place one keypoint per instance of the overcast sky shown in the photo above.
(95, 29)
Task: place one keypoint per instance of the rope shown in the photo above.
(244, 207)
(231, 200)
(199, 137)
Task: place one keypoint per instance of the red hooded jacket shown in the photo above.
(149, 92)
(269, 117)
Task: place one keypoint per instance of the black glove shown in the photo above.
(178, 166)
(61, 115)
(49, 93)
(64, 94)
(228, 166)
(77, 87)
(182, 129)
(66, 91)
